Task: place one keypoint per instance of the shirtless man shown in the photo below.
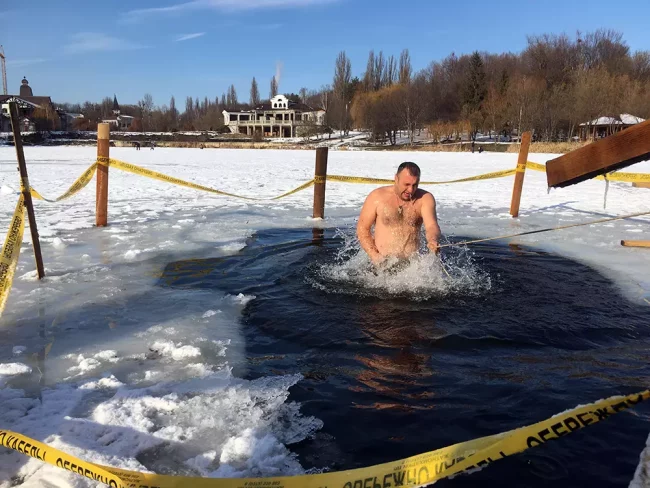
(398, 212)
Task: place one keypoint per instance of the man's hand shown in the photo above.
(377, 259)
(434, 247)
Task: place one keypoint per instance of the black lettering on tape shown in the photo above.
(632, 401)
(59, 462)
(571, 424)
(368, 485)
(601, 414)
(21, 445)
(357, 484)
(398, 478)
(387, 478)
(533, 441)
(583, 421)
(440, 467)
(556, 429)
(543, 435)
(619, 406)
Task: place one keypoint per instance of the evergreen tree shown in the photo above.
(255, 93)
(475, 86)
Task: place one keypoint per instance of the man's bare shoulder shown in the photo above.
(424, 196)
(380, 193)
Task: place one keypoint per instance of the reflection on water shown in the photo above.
(396, 364)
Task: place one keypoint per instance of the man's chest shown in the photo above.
(395, 215)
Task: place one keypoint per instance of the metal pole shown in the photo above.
(519, 175)
(101, 195)
(320, 177)
(22, 167)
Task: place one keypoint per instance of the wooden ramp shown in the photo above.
(617, 151)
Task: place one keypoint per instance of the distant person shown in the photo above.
(397, 213)
(137, 146)
(473, 147)
(153, 146)
(480, 149)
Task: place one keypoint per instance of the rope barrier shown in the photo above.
(549, 229)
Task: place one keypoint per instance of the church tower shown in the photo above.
(116, 106)
(25, 89)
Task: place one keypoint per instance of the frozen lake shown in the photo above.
(113, 359)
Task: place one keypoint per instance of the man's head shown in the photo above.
(407, 180)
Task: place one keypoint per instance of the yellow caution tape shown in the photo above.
(139, 170)
(359, 179)
(535, 166)
(11, 251)
(627, 177)
(85, 178)
(414, 471)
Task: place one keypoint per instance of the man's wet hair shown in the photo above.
(412, 168)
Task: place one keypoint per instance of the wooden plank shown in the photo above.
(617, 151)
(635, 243)
(641, 185)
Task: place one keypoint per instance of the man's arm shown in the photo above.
(366, 220)
(430, 220)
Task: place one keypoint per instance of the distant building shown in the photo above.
(120, 122)
(31, 110)
(606, 126)
(280, 117)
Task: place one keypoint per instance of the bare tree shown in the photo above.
(390, 74)
(380, 66)
(303, 95)
(341, 87)
(369, 76)
(274, 87)
(231, 98)
(255, 93)
(405, 69)
(173, 114)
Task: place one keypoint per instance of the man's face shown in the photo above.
(406, 185)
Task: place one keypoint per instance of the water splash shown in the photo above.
(424, 276)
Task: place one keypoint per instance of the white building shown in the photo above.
(280, 117)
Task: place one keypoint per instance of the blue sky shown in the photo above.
(76, 50)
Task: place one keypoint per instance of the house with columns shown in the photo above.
(279, 117)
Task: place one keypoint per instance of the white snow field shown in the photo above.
(136, 371)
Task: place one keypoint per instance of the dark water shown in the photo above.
(392, 377)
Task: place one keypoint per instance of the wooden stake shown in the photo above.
(635, 243)
(519, 175)
(101, 196)
(641, 185)
(320, 178)
(22, 167)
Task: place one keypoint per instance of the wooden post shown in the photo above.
(641, 185)
(320, 177)
(635, 243)
(519, 175)
(101, 196)
(22, 167)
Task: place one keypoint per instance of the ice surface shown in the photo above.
(121, 369)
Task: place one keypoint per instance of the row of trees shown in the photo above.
(552, 86)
